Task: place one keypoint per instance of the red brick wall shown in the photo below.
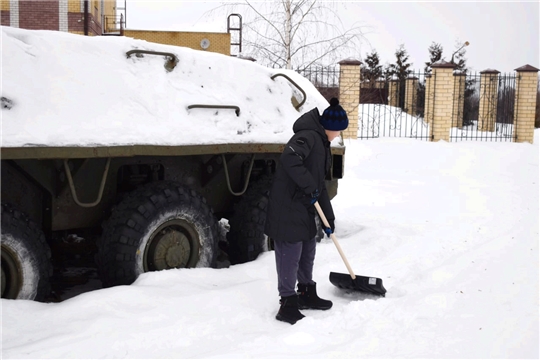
(74, 25)
(38, 15)
(75, 22)
(4, 18)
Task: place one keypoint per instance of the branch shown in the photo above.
(266, 20)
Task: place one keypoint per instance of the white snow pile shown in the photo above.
(61, 89)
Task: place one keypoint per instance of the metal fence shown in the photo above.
(386, 107)
(484, 108)
(325, 79)
(393, 108)
(113, 23)
(483, 104)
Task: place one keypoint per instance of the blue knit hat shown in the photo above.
(334, 117)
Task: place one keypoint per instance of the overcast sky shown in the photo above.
(502, 35)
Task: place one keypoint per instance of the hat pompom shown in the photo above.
(334, 101)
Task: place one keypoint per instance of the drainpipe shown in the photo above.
(102, 7)
(86, 17)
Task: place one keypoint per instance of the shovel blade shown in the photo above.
(367, 284)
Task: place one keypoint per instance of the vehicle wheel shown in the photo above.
(246, 236)
(157, 227)
(26, 258)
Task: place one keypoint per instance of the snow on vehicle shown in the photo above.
(144, 146)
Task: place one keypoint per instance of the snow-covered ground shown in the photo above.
(451, 228)
(378, 120)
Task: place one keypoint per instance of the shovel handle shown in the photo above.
(334, 239)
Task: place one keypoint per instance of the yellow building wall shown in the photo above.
(108, 8)
(74, 6)
(219, 42)
(4, 5)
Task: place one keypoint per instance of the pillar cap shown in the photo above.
(441, 64)
(490, 71)
(350, 61)
(412, 78)
(527, 68)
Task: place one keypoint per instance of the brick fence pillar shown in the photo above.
(411, 85)
(393, 93)
(459, 99)
(487, 112)
(13, 12)
(443, 86)
(63, 19)
(525, 103)
(349, 94)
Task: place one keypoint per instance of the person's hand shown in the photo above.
(314, 196)
(329, 230)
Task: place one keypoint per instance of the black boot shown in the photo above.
(308, 298)
(288, 311)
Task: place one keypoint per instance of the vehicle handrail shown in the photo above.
(169, 64)
(246, 183)
(206, 106)
(74, 191)
(295, 84)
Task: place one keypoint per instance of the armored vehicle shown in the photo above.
(151, 202)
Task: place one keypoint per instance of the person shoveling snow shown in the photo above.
(298, 183)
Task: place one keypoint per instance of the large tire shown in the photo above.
(160, 226)
(246, 236)
(26, 258)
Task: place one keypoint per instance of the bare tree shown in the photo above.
(295, 33)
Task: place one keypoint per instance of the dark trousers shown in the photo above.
(294, 261)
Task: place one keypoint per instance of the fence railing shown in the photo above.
(325, 79)
(113, 24)
(482, 104)
(393, 107)
(484, 107)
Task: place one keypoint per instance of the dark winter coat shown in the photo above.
(302, 168)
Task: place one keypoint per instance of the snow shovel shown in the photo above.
(367, 284)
